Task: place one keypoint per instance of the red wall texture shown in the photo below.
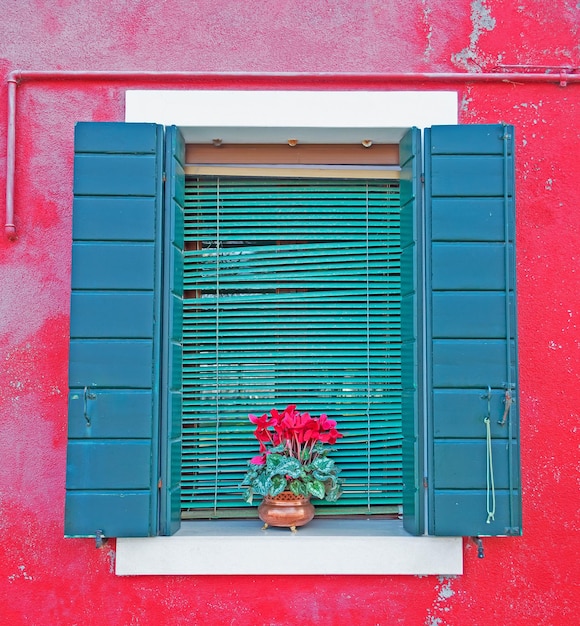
(45, 579)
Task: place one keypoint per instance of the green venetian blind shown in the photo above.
(291, 296)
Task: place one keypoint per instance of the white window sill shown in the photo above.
(322, 547)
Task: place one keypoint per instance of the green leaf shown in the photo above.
(298, 488)
(321, 449)
(323, 464)
(249, 477)
(273, 461)
(278, 485)
(248, 495)
(283, 465)
(324, 477)
(262, 484)
(316, 488)
(334, 492)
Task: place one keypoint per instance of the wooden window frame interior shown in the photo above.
(376, 161)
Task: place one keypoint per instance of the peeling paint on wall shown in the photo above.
(437, 614)
(472, 58)
(427, 10)
(20, 573)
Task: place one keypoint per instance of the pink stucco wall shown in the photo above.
(45, 579)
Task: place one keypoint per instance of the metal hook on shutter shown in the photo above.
(87, 395)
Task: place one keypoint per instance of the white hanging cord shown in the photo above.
(490, 482)
(368, 352)
(217, 345)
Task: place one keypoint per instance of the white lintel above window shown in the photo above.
(277, 116)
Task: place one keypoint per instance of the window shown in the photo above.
(458, 332)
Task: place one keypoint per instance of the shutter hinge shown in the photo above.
(164, 178)
(159, 484)
(425, 482)
(423, 179)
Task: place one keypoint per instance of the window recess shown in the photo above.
(291, 295)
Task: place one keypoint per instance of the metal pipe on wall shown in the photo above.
(9, 228)
(561, 75)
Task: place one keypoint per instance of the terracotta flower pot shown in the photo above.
(286, 510)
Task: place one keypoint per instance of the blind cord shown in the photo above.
(217, 345)
(368, 352)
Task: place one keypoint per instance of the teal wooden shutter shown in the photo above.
(291, 296)
(412, 345)
(471, 331)
(171, 407)
(112, 455)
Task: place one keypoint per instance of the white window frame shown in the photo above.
(324, 546)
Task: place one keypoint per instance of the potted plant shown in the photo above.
(292, 466)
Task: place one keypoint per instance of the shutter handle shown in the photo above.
(87, 395)
(508, 404)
